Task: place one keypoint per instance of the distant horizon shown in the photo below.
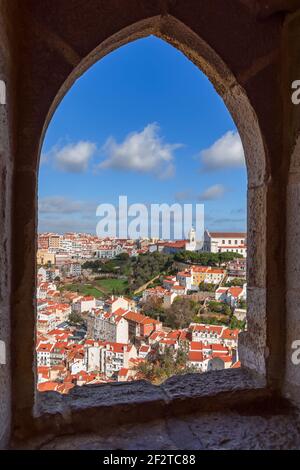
(244, 232)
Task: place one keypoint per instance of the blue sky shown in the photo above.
(146, 123)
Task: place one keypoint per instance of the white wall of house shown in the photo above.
(122, 334)
(93, 358)
(77, 366)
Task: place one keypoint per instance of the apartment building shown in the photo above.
(84, 304)
(115, 356)
(141, 326)
(221, 242)
(206, 274)
(105, 326)
(231, 295)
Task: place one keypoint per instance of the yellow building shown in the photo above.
(198, 274)
(43, 257)
(206, 274)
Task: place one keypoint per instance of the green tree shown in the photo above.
(237, 324)
(227, 256)
(242, 304)
(153, 308)
(207, 287)
(164, 365)
(227, 310)
(219, 307)
(181, 313)
(206, 258)
(123, 257)
(209, 320)
(75, 319)
(236, 282)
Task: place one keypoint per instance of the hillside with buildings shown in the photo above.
(186, 317)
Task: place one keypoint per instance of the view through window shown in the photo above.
(142, 246)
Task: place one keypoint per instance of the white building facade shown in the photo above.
(222, 242)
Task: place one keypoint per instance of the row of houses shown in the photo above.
(59, 249)
(208, 347)
(67, 269)
(231, 295)
(118, 321)
(183, 282)
(119, 336)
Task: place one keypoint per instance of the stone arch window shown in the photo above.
(103, 111)
(237, 102)
(56, 50)
(235, 98)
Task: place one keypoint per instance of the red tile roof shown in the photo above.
(235, 291)
(219, 348)
(196, 345)
(139, 318)
(227, 234)
(208, 328)
(47, 386)
(236, 365)
(120, 312)
(65, 387)
(45, 347)
(230, 334)
(116, 347)
(123, 372)
(195, 356)
(176, 244)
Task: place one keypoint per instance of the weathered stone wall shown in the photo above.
(291, 65)
(244, 48)
(6, 166)
(244, 72)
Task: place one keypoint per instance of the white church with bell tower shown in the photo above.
(193, 244)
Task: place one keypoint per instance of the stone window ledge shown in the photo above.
(91, 408)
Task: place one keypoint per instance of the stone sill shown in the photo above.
(93, 408)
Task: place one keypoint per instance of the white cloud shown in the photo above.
(213, 192)
(67, 225)
(62, 214)
(144, 152)
(71, 158)
(226, 152)
(63, 205)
